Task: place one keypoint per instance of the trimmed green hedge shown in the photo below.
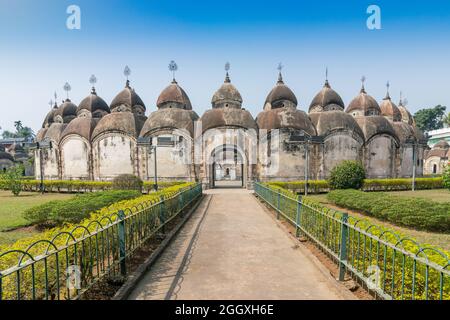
(83, 185)
(417, 213)
(77, 208)
(400, 184)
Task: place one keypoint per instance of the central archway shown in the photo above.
(227, 167)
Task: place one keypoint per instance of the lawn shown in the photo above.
(11, 209)
(438, 239)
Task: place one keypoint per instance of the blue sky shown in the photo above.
(38, 54)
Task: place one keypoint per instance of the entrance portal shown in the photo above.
(227, 169)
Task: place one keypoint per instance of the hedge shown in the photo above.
(77, 208)
(77, 231)
(417, 213)
(361, 232)
(398, 184)
(83, 185)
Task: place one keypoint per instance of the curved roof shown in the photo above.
(54, 132)
(49, 118)
(67, 110)
(41, 134)
(404, 131)
(6, 156)
(123, 122)
(280, 93)
(405, 114)
(226, 93)
(326, 97)
(170, 118)
(364, 103)
(174, 96)
(390, 110)
(286, 117)
(220, 117)
(127, 97)
(94, 104)
(82, 126)
(375, 125)
(420, 137)
(441, 145)
(328, 122)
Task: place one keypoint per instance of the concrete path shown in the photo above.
(231, 248)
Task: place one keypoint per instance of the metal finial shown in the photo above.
(387, 90)
(173, 67)
(326, 78)
(50, 103)
(363, 80)
(56, 96)
(127, 71)
(67, 88)
(227, 76)
(93, 81)
(227, 66)
(280, 76)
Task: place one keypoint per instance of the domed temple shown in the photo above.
(227, 146)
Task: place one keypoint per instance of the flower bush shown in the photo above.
(347, 175)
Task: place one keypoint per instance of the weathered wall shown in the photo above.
(430, 162)
(379, 157)
(75, 158)
(5, 164)
(338, 147)
(113, 154)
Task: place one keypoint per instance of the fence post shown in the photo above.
(298, 216)
(343, 246)
(162, 214)
(122, 248)
(278, 206)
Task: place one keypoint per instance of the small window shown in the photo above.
(434, 168)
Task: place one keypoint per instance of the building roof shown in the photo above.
(364, 103)
(123, 122)
(234, 117)
(173, 96)
(127, 97)
(94, 104)
(328, 122)
(172, 118)
(227, 95)
(280, 93)
(286, 117)
(326, 99)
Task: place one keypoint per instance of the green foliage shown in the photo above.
(446, 177)
(431, 118)
(127, 182)
(75, 209)
(97, 256)
(81, 185)
(402, 260)
(347, 175)
(417, 213)
(21, 131)
(12, 179)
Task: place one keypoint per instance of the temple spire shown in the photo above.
(67, 88)
(126, 73)
(173, 67)
(280, 76)
(93, 81)
(363, 80)
(227, 76)
(327, 84)
(400, 103)
(388, 97)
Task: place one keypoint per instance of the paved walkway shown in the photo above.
(232, 249)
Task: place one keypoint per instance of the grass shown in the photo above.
(438, 239)
(11, 209)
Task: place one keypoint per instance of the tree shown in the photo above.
(12, 179)
(21, 132)
(431, 118)
(447, 119)
(347, 175)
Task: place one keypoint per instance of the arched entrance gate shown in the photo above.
(227, 167)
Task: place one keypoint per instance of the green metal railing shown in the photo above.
(390, 266)
(102, 248)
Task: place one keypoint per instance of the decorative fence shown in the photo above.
(72, 262)
(388, 265)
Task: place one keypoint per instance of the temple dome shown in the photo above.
(120, 122)
(172, 118)
(128, 100)
(173, 96)
(286, 117)
(233, 117)
(328, 122)
(326, 100)
(66, 112)
(375, 125)
(363, 105)
(441, 145)
(94, 105)
(81, 126)
(49, 118)
(280, 96)
(227, 96)
(54, 132)
(389, 109)
(404, 131)
(405, 114)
